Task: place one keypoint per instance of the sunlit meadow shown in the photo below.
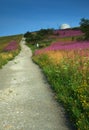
(9, 48)
(66, 65)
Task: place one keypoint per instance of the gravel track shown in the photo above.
(26, 100)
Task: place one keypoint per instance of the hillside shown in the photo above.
(9, 48)
(64, 59)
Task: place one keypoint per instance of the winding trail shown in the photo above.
(26, 100)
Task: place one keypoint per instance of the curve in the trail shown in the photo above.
(26, 100)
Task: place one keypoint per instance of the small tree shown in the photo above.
(38, 36)
(45, 32)
(27, 34)
(30, 37)
(84, 26)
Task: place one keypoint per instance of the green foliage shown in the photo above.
(28, 34)
(75, 28)
(84, 26)
(30, 37)
(45, 32)
(40, 35)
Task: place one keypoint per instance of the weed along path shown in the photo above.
(26, 100)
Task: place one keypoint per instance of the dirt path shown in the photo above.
(26, 100)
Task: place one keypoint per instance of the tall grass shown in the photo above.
(8, 50)
(66, 65)
(69, 77)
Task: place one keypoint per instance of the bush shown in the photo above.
(84, 26)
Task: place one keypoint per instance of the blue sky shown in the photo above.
(20, 16)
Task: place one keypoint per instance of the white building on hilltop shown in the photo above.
(65, 26)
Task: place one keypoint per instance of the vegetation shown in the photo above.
(84, 26)
(38, 37)
(65, 63)
(68, 74)
(9, 48)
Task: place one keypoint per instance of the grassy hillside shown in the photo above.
(9, 48)
(65, 62)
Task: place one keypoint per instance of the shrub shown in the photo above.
(84, 26)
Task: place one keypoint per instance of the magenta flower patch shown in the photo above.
(11, 46)
(68, 32)
(65, 46)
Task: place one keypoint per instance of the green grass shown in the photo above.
(71, 86)
(70, 81)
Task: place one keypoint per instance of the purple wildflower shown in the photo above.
(68, 32)
(11, 46)
(67, 46)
